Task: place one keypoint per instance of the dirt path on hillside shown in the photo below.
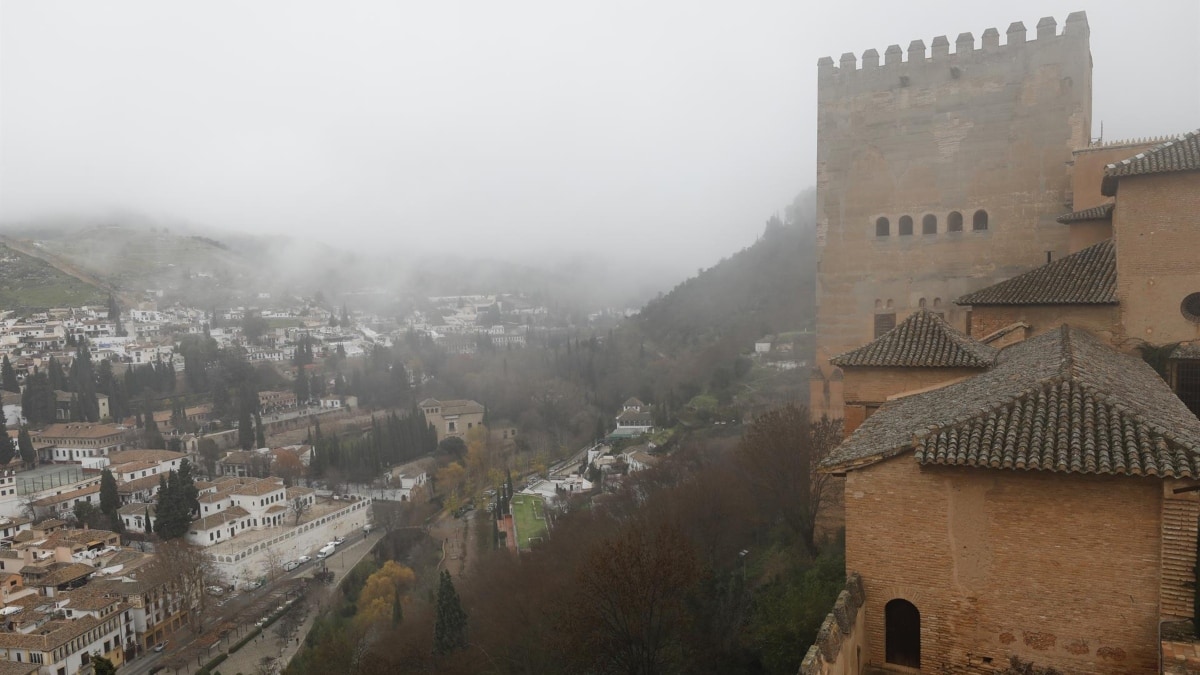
(454, 533)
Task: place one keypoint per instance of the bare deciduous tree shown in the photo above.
(298, 507)
(779, 456)
(190, 569)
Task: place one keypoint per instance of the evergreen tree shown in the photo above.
(114, 315)
(38, 402)
(300, 388)
(260, 436)
(187, 485)
(171, 509)
(54, 371)
(245, 430)
(25, 447)
(7, 449)
(8, 376)
(110, 501)
(450, 627)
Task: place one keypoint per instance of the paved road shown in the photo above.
(339, 563)
(248, 658)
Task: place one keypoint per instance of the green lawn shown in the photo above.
(528, 514)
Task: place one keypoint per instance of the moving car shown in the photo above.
(161, 646)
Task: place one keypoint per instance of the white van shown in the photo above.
(326, 551)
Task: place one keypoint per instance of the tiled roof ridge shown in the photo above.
(921, 324)
(1181, 153)
(928, 444)
(1098, 212)
(1087, 276)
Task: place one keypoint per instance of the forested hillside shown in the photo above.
(765, 288)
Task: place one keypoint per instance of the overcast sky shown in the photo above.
(495, 128)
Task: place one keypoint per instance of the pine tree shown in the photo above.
(25, 447)
(7, 449)
(450, 627)
(8, 376)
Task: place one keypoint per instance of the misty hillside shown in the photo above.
(765, 288)
(28, 283)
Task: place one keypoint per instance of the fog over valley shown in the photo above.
(655, 138)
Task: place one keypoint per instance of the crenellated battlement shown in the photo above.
(1076, 27)
(1131, 142)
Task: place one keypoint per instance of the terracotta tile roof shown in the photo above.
(220, 518)
(76, 430)
(1086, 277)
(67, 573)
(139, 484)
(144, 455)
(1102, 212)
(924, 339)
(1177, 154)
(259, 487)
(1062, 401)
(67, 496)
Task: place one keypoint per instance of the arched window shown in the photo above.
(980, 221)
(929, 224)
(902, 633)
(921, 303)
(905, 225)
(954, 222)
(883, 228)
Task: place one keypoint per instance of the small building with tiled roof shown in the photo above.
(1080, 288)
(1030, 500)
(922, 351)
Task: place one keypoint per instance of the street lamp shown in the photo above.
(742, 555)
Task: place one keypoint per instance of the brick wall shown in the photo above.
(875, 385)
(841, 640)
(1088, 169)
(1180, 515)
(1100, 320)
(1157, 225)
(1060, 570)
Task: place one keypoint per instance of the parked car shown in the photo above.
(291, 565)
(339, 541)
(161, 646)
(326, 550)
(215, 590)
(303, 559)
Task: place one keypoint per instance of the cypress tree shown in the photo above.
(190, 495)
(8, 377)
(110, 501)
(25, 447)
(450, 627)
(7, 449)
(260, 436)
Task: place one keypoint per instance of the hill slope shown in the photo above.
(765, 288)
(28, 283)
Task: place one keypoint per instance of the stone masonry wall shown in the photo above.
(1059, 570)
(989, 127)
(841, 640)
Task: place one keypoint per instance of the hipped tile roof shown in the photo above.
(1102, 212)
(1178, 154)
(924, 339)
(1086, 277)
(1062, 401)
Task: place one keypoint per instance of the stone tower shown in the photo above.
(939, 173)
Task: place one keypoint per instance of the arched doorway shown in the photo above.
(902, 633)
